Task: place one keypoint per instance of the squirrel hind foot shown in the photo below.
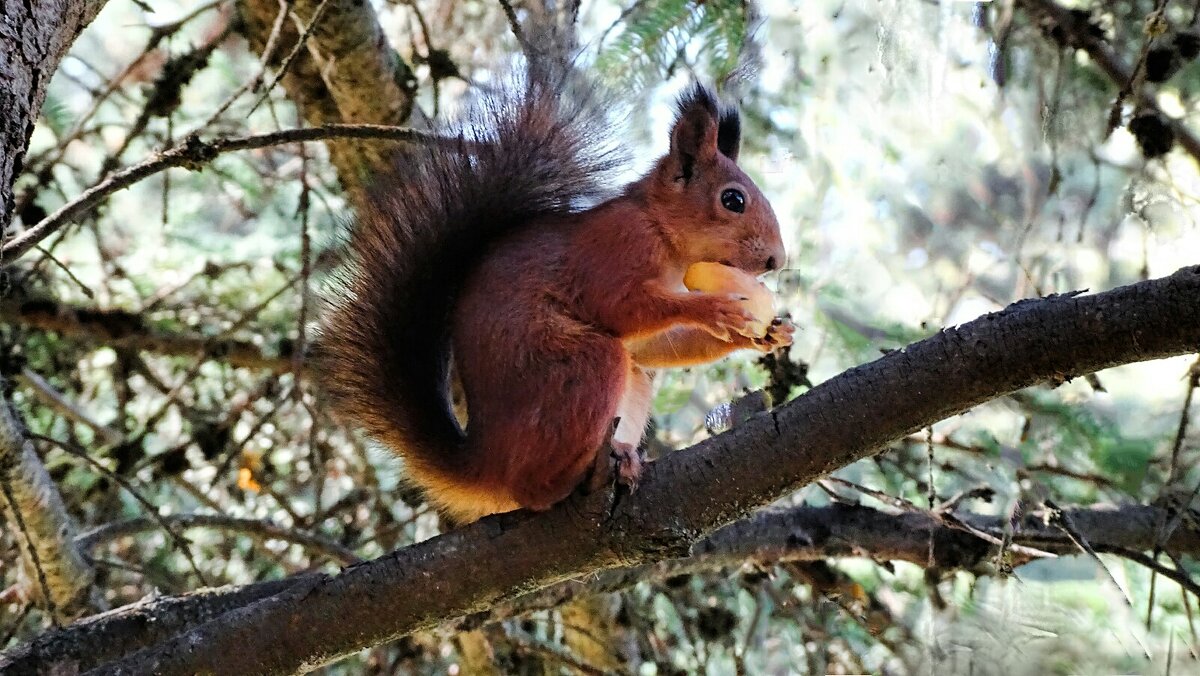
(601, 471)
(629, 464)
(618, 459)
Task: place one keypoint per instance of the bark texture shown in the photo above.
(691, 493)
(54, 572)
(82, 646)
(34, 36)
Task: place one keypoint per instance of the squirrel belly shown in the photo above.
(487, 250)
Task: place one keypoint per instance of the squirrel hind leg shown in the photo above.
(634, 409)
(633, 413)
(588, 396)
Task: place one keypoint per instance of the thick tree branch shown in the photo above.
(690, 493)
(55, 571)
(124, 630)
(33, 39)
(838, 531)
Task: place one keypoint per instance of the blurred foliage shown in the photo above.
(657, 36)
(931, 162)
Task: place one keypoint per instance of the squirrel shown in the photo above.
(504, 256)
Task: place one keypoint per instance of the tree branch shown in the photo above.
(839, 531)
(768, 538)
(121, 329)
(33, 39)
(193, 154)
(124, 630)
(1111, 64)
(56, 400)
(257, 529)
(692, 492)
(348, 73)
(56, 572)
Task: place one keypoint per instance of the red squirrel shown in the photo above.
(508, 254)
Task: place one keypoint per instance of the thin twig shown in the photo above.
(1061, 519)
(193, 153)
(255, 80)
(516, 28)
(1113, 66)
(941, 516)
(1176, 450)
(51, 158)
(1138, 80)
(291, 57)
(59, 402)
(34, 559)
(1178, 576)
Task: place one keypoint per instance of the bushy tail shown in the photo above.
(539, 146)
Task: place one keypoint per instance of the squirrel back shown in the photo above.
(532, 149)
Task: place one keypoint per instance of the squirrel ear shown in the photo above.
(694, 136)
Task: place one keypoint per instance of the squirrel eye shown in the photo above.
(733, 200)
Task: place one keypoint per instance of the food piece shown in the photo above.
(719, 278)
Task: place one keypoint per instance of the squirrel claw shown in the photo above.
(601, 470)
(729, 321)
(779, 333)
(629, 464)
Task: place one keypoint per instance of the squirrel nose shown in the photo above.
(776, 257)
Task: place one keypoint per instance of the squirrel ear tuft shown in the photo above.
(694, 136)
(729, 132)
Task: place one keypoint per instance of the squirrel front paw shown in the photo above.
(779, 334)
(727, 316)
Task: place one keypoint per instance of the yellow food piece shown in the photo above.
(718, 278)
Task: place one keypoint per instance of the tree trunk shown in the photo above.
(34, 36)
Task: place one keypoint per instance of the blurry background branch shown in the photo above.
(126, 330)
(33, 40)
(348, 73)
(193, 154)
(56, 573)
(1075, 29)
